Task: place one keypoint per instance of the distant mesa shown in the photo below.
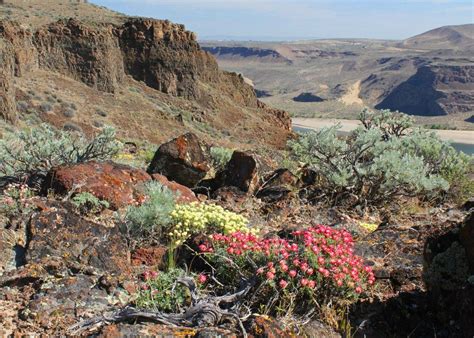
(434, 90)
(262, 93)
(239, 52)
(308, 97)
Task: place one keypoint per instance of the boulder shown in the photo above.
(56, 306)
(242, 171)
(144, 329)
(277, 185)
(466, 237)
(308, 177)
(185, 195)
(115, 183)
(59, 237)
(182, 160)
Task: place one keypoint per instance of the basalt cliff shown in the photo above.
(140, 75)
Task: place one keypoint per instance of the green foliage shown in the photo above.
(39, 149)
(88, 203)
(220, 157)
(161, 292)
(150, 219)
(385, 158)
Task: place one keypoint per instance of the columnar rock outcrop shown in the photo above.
(166, 57)
(7, 90)
(86, 54)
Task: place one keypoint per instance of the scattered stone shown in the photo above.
(182, 160)
(150, 256)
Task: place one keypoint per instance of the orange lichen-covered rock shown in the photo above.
(115, 183)
(181, 160)
(184, 194)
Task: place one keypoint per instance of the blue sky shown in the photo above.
(298, 19)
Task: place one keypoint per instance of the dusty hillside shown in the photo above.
(447, 37)
(428, 76)
(149, 78)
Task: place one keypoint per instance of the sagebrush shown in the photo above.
(385, 158)
(220, 157)
(37, 150)
(150, 219)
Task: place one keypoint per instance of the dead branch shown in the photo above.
(204, 311)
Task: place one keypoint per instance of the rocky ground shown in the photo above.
(59, 267)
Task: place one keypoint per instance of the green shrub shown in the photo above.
(37, 150)
(151, 219)
(69, 113)
(220, 157)
(88, 203)
(160, 291)
(45, 107)
(385, 158)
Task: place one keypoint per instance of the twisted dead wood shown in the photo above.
(205, 311)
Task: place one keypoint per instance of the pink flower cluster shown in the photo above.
(315, 258)
(15, 198)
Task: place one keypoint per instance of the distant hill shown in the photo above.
(447, 37)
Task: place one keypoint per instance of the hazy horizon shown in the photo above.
(302, 19)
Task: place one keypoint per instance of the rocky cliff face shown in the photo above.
(166, 57)
(433, 90)
(89, 55)
(160, 54)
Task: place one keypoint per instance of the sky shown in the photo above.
(302, 19)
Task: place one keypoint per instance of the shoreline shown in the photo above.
(456, 136)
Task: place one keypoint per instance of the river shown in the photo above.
(462, 140)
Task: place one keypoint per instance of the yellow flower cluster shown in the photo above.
(197, 217)
(370, 227)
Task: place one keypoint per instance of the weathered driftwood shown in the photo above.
(207, 311)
